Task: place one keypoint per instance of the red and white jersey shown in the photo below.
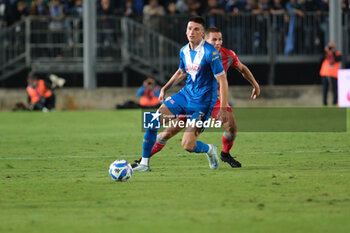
(228, 58)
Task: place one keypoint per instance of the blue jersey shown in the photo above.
(202, 66)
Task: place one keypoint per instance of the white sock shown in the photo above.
(144, 161)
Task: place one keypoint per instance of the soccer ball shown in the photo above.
(120, 170)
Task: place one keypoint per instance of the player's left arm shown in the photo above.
(245, 72)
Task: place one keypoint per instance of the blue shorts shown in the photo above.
(180, 104)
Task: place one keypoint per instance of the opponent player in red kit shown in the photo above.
(229, 58)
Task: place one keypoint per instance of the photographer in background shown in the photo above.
(40, 92)
(40, 96)
(149, 93)
(329, 71)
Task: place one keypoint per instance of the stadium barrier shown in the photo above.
(108, 98)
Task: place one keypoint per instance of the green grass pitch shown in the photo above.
(54, 178)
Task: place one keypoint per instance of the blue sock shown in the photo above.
(201, 147)
(148, 142)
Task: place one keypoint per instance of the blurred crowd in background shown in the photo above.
(14, 10)
(292, 26)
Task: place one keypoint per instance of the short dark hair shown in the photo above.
(32, 75)
(211, 29)
(197, 19)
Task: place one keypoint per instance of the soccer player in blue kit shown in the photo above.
(200, 62)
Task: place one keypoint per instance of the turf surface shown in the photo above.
(54, 178)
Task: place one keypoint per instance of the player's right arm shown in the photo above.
(222, 80)
(174, 80)
(220, 75)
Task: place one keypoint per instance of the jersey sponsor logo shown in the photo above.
(193, 67)
(215, 58)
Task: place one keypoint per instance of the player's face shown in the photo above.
(195, 32)
(215, 38)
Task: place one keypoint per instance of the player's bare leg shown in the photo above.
(168, 133)
(191, 144)
(228, 139)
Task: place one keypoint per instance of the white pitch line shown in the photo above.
(65, 157)
(137, 156)
(296, 152)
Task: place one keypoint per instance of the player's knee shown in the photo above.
(232, 129)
